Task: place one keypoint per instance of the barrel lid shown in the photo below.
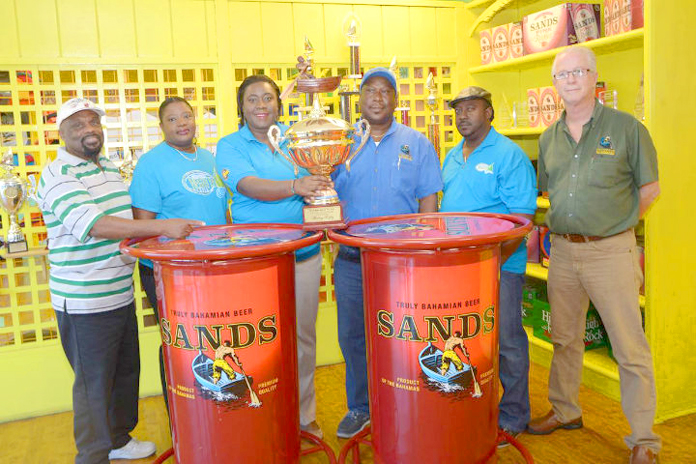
(432, 231)
(223, 242)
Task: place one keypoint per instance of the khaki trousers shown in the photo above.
(307, 277)
(607, 272)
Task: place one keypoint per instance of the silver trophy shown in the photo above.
(13, 192)
(319, 143)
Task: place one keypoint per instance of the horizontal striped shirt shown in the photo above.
(87, 274)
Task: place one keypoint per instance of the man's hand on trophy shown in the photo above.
(311, 186)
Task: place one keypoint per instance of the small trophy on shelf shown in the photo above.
(13, 192)
(352, 30)
(433, 124)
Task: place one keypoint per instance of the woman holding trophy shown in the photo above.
(175, 179)
(266, 189)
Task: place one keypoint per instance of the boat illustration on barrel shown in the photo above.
(430, 359)
(202, 367)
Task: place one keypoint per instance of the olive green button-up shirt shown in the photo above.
(593, 184)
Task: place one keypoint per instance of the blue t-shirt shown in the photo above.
(496, 178)
(173, 187)
(240, 155)
(391, 177)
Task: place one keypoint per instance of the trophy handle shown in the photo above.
(32, 189)
(364, 133)
(275, 138)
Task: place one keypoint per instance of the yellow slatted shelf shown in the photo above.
(625, 41)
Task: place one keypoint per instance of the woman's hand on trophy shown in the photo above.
(311, 186)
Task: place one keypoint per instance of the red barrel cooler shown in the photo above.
(227, 305)
(431, 296)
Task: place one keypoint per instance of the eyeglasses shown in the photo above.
(575, 72)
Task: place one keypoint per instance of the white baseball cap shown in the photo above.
(75, 105)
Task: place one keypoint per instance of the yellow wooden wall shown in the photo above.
(127, 55)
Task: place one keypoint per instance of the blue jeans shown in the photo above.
(514, 355)
(351, 326)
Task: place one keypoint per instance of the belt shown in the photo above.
(577, 238)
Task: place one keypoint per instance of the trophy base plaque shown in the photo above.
(319, 217)
(17, 247)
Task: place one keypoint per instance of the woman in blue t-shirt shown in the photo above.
(176, 179)
(265, 189)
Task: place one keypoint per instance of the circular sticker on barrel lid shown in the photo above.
(230, 241)
(428, 231)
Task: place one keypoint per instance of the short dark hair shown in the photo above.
(457, 334)
(253, 79)
(169, 101)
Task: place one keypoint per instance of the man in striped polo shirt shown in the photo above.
(87, 210)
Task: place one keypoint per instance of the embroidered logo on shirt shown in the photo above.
(405, 153)
(225, 173)
(605, 147)
(485, 168)
(198, 182)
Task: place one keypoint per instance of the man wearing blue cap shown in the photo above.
(397, 172)
(488, 172)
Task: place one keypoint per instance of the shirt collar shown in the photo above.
(596, 113)
(488, 141)
(392, 128)
(73, 160)
(247, 135)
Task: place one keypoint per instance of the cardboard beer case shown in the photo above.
(561, 25)
(631, 15)
(607, 17)
(533, 108)
(486, 44)
(500, 43)
(516, 39)
(547, 105)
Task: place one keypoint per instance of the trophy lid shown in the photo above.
(319, 126)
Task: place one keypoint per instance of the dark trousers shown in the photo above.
(351, 326)
(102, 349)
(514, 355)
(147, 279)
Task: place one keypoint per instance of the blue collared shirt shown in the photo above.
(391, 177)
(240, 155)
(496, 178)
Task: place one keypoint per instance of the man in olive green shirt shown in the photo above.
(600, 168)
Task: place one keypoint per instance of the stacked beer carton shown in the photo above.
(561, 25)
(544, 106)
(536, 313)
(622, 16)
(501, 43)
